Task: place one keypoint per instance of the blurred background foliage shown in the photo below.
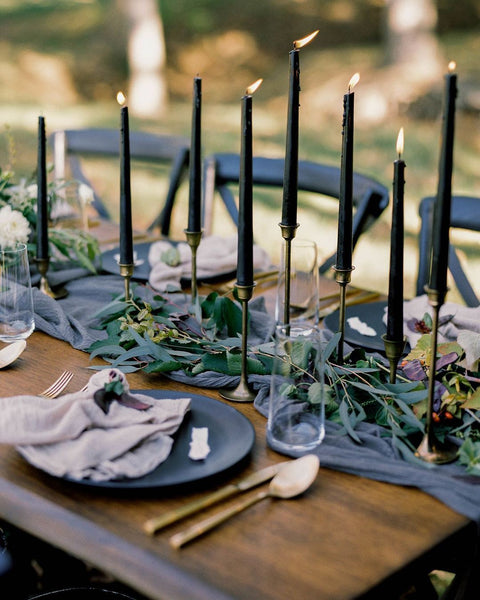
(68, 59)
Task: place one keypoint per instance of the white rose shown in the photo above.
(14, 227)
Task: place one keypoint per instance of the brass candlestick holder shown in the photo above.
(343, 278)
(126, 271)
(288, 234)
(44, 286)
(242, 393)
(393, 351)
(431, 449)
(193, 240)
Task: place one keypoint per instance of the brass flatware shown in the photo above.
(156, 523)
(58, 385)
(291, 480)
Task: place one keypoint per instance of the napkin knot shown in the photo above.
(115, 387)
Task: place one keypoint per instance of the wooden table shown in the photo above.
(345, 538)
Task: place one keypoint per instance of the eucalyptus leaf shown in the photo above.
(346, 417)
(316, 392)
(160, 366)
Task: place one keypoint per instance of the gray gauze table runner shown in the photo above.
(71, 319)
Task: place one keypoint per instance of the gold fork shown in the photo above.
(58, 385)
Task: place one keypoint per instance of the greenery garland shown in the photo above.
(159, 336)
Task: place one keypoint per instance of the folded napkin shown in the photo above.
(215, 255)
(85, 435)
(453, 319)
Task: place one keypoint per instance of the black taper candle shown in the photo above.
(345, 208)
(126, 235)
(245, 209)
(42, 205)
(395, 288)
(195, 192)
(441, 215)
(290, 177)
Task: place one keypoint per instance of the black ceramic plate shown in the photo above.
(371, 314)
(142, 271)
(230, 436)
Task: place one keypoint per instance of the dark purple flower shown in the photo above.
(438, 392)
(414, 370)
(446, 359)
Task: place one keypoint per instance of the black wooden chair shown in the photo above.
(71, 144)
(465, 214)
(221, 171)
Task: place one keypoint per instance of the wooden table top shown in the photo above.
(344, 537)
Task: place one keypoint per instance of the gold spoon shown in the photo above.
(11, 352)
(292, 479)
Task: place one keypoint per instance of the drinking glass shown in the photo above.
(16, 300)
(303, 305)
(296, 415)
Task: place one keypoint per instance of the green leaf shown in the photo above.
(160, 366)
(331, 346)
(299, 351)
(470, 342)
(105, 350)
(227, 314)
(473, 402)
(316, 392)
(345, 417)
(469, 455)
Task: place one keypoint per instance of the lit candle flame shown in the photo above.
(254, 87)
(400, 142)
(121, 98)
(304, 41)
(452, 65)
(353, 81)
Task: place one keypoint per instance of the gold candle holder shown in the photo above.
(242, 393)
(343, 278)
(393, 351)
(193, 240)
(126, 271)
(288, 234)
(44, 286)
(431, 449)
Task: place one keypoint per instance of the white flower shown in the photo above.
(85, 194)
(32, 190)
(14, 227)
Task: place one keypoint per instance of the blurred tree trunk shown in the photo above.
(411, 38)
(147, 95)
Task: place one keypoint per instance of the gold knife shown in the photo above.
(172, 516)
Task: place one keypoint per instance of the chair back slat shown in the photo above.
(370, 198)
(465, 214)
(71, 145)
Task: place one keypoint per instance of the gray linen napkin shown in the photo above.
(215, 255)
(464, 318)
(72, 318)
(73, 437)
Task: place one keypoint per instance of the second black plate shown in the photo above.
(371, 314)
